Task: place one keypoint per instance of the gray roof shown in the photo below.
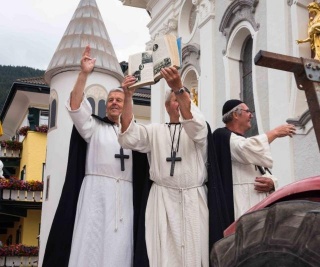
(86, 27)
(142, 92)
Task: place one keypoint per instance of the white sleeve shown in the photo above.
(253, 150)
(196, 128)
(136, 137)
(82, 119)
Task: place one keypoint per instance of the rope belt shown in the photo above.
(243, 183)
(118, 195)
(182, 192)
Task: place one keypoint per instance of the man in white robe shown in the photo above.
(103, 226)
(176, 216)
(243, 161)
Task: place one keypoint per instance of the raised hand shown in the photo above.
(285, 130)
(128, 81)
(281, 131)
(87, 63)
(172, 76)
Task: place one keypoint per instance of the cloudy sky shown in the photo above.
(30, 30)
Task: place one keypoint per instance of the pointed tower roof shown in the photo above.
(85, 27)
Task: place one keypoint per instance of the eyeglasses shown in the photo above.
(248, 111)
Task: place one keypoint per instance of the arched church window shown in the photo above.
(246, 82)
(53, 113)
(52, 121)
(187, 21)
(102, 108)
(96, 95)
(93, 104)
(192, 18)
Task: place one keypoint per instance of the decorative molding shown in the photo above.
(96, 91)
(53, 95)
(300, 121)
(205, 9)
(170, 26)
(191, 56)
(239, 10)
(188, 50)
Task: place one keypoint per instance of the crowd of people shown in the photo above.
(143, 195)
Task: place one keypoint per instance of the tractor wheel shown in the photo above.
(286, 234)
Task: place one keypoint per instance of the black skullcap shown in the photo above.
(229, 105)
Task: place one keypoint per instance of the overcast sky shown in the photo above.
(30, 30)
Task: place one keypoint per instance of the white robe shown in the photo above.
(245, 154)
(177, 217)
(103, 230)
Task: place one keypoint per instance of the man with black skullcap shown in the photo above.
(243, 161)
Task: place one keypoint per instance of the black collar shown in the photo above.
(173, 123)
(105, 119)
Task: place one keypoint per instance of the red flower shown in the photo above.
(19, 250)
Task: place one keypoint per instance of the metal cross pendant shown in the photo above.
(173, 160)
(121, 156)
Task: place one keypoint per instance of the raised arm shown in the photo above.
(171, 75)
(87, 65)
(281, 131)
(127, 113)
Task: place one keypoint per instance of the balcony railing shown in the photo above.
(21, 195)
(19, 255)
(17, 261)
(9, 153)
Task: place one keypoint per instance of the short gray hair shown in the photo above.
(118, 89)
(228, 117)
(168, 94)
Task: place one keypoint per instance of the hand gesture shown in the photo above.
(128, 81)
(263, 184)
(87, 63)
(172, 76)
(285, 130)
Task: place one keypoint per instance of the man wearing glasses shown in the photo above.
(244, 162)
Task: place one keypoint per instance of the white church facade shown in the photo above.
(220, 41)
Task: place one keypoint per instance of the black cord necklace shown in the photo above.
(174, 151)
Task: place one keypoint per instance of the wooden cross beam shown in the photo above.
(307, 75)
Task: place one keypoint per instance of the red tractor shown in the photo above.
(282, 230)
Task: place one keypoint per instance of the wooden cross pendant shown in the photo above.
(121, 156)
(173, 160)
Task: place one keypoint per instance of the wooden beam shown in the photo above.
(307, 76)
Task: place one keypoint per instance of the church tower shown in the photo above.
(86, 27)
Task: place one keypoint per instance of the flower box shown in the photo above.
(11, 145)
(19, 251)
(37, 196)
(29, 195)
(39, 128)
(8, 194)
(15, 184)
(17, 261)
(12, 261)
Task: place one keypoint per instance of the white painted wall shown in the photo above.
(276, 95)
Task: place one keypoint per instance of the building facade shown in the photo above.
(220, 41)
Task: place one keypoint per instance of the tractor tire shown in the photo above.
(286, 234)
